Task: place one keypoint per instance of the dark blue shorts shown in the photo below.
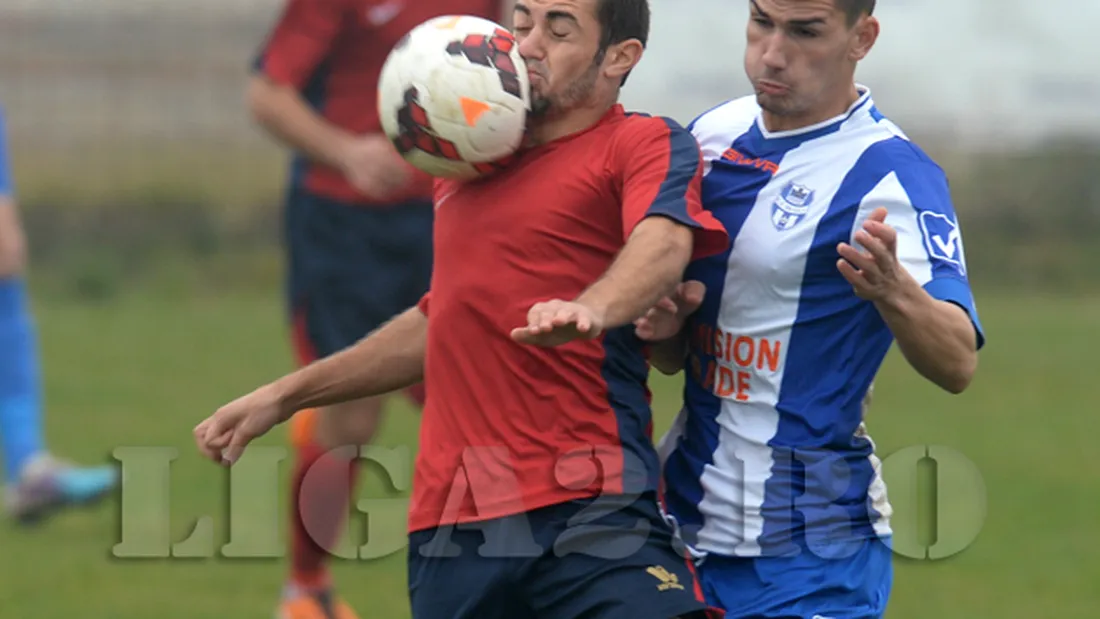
(351, 268)
(606, 558)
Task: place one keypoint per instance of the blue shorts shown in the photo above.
(605, 558)
(351, 268)
(802, 587)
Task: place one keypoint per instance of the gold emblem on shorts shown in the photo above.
(667, 578)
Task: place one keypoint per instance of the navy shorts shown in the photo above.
(351, 268)
(605, 558)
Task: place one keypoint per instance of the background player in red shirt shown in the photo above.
(358, 234)
(535, 488)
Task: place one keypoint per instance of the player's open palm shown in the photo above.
(874, 271)
(667, 318)
(556, 322)
(223, 436)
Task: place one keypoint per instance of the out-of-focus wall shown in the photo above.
(126, 115)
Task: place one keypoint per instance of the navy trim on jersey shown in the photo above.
(625, 371)
(683, 162)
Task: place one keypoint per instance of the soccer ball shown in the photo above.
(453, 96)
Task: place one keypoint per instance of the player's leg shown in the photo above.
(841, 582)
(450, 578)
(35, 482)
(614, 557)
(354, 289)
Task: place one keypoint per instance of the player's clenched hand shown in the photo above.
(223, 436)
(374, 167)
(556, 322)
(873, 272)
(667, 318)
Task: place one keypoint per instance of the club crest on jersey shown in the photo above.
(791, 206)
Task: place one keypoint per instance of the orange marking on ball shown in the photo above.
(473, 110)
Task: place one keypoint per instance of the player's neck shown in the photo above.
(838, 105)
(555, 128)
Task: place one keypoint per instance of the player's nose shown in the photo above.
(775, 54)
(532, 45)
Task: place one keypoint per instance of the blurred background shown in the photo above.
(153, 210)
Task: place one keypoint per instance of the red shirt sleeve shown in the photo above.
(663, 175)
(301, 40)
(424, 303)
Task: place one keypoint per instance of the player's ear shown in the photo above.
(864, 34)
(621, 58)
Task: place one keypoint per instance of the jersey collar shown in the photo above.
(788, 140)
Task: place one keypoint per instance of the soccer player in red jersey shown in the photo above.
(358, 236)
(535, 485)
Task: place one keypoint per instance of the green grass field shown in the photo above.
(141, 371)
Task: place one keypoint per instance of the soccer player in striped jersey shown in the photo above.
(845, 240)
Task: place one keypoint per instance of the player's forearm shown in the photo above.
(282, 112)
(647, 269)
(936, 337)
(387, 360)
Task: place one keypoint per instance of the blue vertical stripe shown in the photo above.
(816, 496)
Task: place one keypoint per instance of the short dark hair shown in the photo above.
(854, 9)
(622, 20)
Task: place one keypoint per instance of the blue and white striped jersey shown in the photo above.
(770, 453)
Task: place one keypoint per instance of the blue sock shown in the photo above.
(20, 397)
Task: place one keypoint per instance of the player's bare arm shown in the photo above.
(936, 337)
(369, 162)
(387, 360)
(13, 243)
(648, 268)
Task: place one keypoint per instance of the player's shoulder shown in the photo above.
(893, 149)
(636, 124)
(730, 118)
(721, 125)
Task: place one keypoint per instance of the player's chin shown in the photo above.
(540, 105)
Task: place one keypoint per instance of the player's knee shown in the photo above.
(350, 423)
(13, 243)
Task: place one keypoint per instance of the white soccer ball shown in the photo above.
(453, 96)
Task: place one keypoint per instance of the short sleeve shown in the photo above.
(6, 188)
(424, 303)
(929, 238)
(301, 40)
(662, 175)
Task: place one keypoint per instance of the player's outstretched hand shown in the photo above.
(552, 323)
(374, 167)
(873, 272)
(223, 436)
(667, 318)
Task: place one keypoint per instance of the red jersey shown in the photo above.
(508, 427)
(332, 51)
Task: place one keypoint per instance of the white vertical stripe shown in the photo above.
(902, 216)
